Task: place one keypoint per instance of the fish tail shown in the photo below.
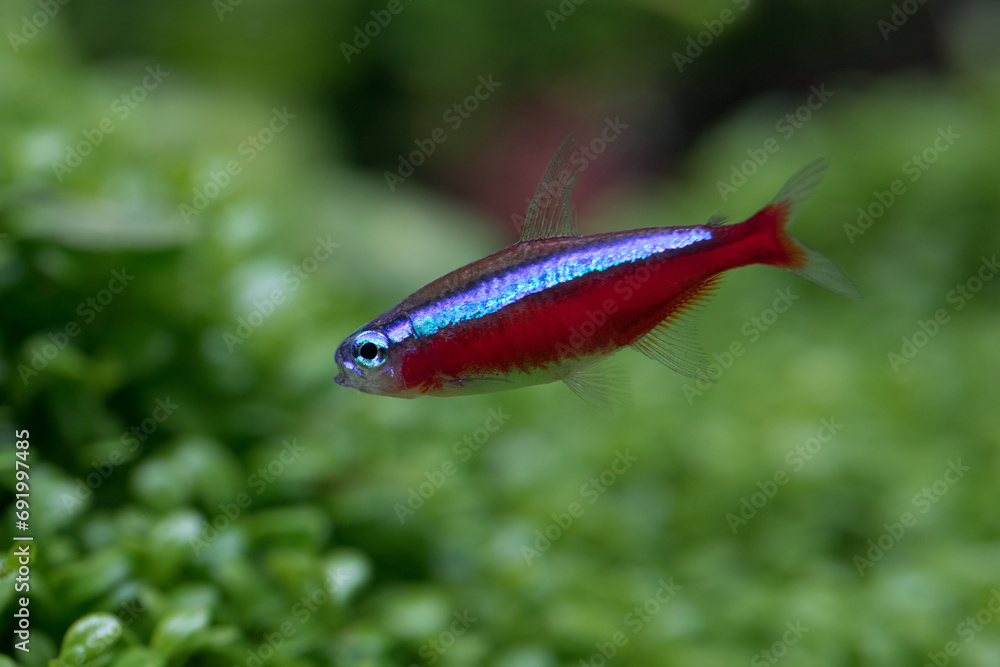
(789, 253)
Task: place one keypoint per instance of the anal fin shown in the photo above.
(674, 341)
(604, 385)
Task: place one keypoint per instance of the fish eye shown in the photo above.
(371, 349)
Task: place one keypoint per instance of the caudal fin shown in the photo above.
(799, 259)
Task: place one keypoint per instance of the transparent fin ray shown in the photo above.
(821, 270)
(674, 341)
(800, 186)
(817, 267)
(604, 385)
(549, 213)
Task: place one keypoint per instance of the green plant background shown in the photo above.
(176, 549)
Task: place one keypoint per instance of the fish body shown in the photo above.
(557, 305)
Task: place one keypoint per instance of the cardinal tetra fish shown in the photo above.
(557, 305)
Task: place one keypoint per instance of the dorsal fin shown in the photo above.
(549, 212)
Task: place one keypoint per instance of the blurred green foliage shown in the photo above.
(202, 493)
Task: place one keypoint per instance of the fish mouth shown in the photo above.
(343, 378)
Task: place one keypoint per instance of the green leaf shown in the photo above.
(90, 640)
(140, 656)
(100, 224)
(178, 630)
(93, 575)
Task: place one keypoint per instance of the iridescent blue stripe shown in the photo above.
(490, 295)
(399, 330)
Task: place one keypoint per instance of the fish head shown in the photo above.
(371, 360)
